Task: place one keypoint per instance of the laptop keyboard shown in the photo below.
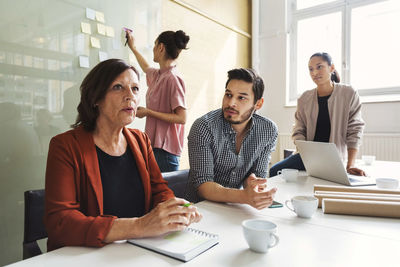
(354, 180)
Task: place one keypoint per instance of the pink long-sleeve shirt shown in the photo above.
(166, 92)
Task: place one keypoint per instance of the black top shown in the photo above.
(123, 193)
(323, 129)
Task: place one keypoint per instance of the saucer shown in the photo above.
(302, 174)
(387, 183)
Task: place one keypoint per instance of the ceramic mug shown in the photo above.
(289, 175)
(303, 206)
(260, 234)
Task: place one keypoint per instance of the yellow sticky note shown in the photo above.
(100, 16)
(95, 42)
(85, 27)
(101, 29)
(110, 31)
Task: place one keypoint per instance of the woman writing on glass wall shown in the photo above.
(165, 98)
(102, 181)
(329, 113)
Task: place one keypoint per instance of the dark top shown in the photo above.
(323, 129)
(123, 193)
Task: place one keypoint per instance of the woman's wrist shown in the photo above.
(135, 227)
(133, 48)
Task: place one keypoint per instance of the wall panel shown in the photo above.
(213, 50)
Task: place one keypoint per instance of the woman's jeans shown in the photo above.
(166, 161)
(292, 162)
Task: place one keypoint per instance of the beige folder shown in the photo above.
(361, 207)
(355, 189)
(355, 196)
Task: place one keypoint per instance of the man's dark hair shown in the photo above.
(94, 88)
(250, 76)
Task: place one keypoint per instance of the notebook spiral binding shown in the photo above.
(201, 233)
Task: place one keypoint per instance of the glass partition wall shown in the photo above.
(46, 49)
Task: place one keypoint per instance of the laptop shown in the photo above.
(322, 160)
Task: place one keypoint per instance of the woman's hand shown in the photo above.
(168, 216)
(131, 40)
(141, 112)
(355, 171)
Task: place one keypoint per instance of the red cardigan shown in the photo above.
(74, 193)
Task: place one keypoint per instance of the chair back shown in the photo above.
(33, 222)
(177, 181)
(288, 152)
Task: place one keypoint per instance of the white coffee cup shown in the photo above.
(303, 206)
(289, 175)
(260, 234)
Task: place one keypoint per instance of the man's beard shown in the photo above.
(242, 118)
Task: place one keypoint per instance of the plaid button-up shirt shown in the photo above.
(213, 157)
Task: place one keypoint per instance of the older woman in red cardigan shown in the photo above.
(102, 181)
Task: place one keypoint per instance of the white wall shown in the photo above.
(379, 117)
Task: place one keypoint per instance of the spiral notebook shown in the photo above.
(182, 245)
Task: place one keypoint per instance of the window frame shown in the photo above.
(385, 94)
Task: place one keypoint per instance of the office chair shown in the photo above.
(34, 211)
(288, 152)
(33, 223)
(177, 181)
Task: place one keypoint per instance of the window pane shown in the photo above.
(375, 46)
(310, 3)
(317, 34)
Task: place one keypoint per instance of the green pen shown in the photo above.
(187, 204)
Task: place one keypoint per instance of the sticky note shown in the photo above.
(101, 29)
(110, 31)
(103, 56)
(85, 27)
(90, 13)
(100, 16)
(94, 42)
(83, 61)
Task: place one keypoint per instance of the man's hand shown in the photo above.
(256, 192)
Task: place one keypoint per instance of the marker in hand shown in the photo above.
(127, 31)
(187, 204)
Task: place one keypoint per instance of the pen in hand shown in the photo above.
(127, 31)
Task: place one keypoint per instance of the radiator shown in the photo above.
(383, 146)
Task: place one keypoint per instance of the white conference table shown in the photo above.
(323, 240)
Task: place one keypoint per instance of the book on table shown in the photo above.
(182, 245)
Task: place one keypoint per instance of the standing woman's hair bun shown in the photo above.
(181, 39)
(174, 42)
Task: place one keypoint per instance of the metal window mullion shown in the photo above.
(318, 10)
(293, 65)
(346, 43)
(292, 24)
